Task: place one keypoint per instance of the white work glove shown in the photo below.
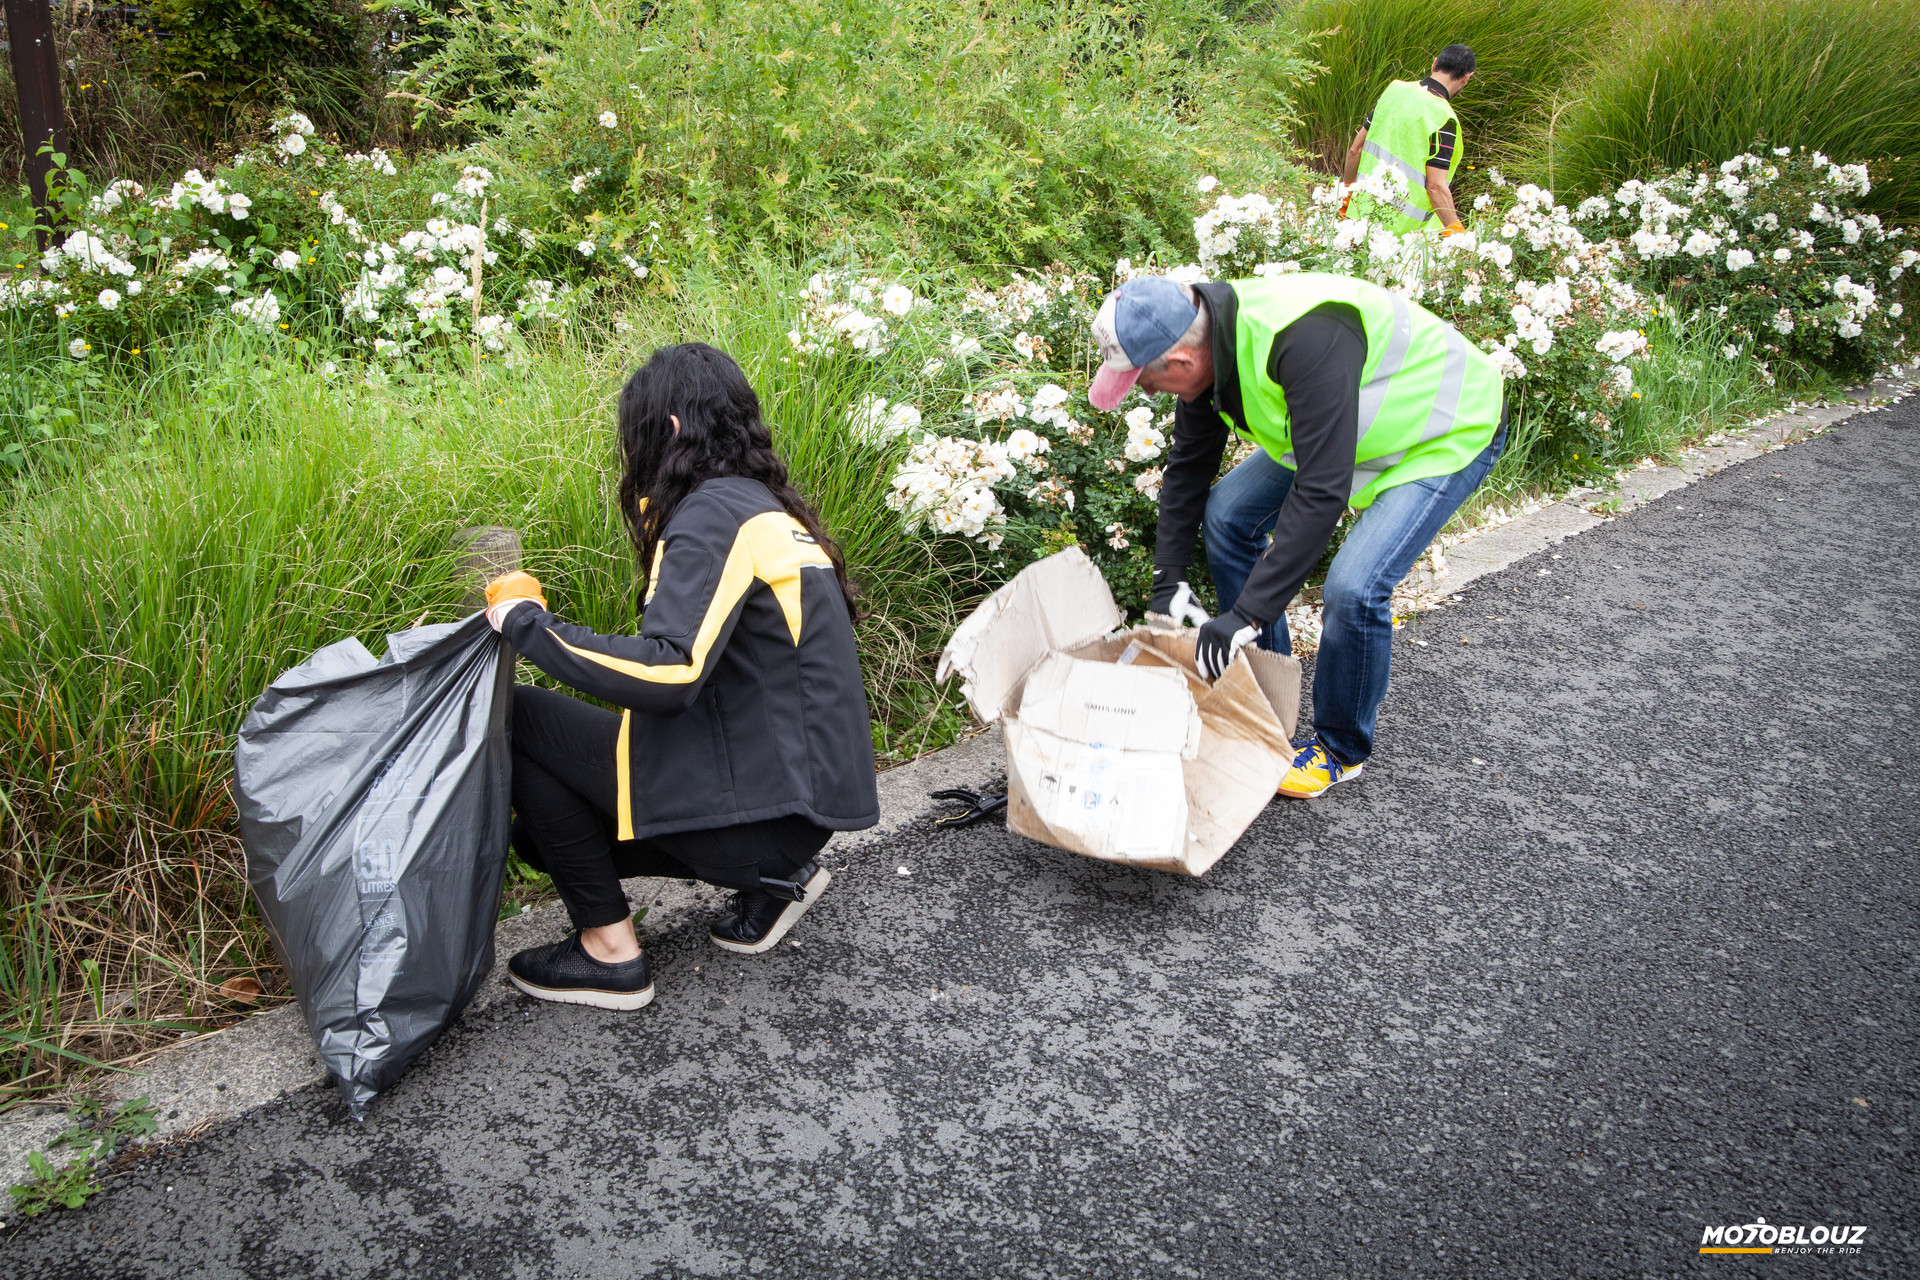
(1219, 640)
(1177, 603)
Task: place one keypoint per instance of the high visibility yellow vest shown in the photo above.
(1404, 119)
(1429, 399)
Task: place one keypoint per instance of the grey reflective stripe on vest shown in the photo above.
(1415, 179)
(1380, 153)
(1373, 392)
(1441, 419)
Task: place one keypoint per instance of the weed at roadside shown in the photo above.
(97, 1136)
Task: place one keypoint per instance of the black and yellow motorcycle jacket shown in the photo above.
(743, 692)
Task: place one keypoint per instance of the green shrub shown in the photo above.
(1777, 245)
(990, 133)
(217, 59)
(477, 60)
(1525, 49)
(1683, 84)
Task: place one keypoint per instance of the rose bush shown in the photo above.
(1012, 455)
(1776, 243)
(295, 240)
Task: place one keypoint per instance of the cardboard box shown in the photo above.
(1116, 748)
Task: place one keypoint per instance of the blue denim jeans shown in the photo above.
(1356, 639)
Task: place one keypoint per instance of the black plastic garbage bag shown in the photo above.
(373, 799)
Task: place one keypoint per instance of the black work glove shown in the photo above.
(1219, 639)
(1173, 598)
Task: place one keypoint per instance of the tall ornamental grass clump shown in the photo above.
(972, 131)
(153, 595)
(1684, 84)
(1525, 48)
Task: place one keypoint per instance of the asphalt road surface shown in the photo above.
(1614, 942)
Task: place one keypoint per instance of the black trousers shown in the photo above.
(566, 798)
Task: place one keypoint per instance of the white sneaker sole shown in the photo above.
(787, 919)
(623, 1001)
(1348, 776)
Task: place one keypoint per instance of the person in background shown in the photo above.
(1413, 130)
(1356, 398)
(743, 742)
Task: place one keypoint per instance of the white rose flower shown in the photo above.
(585, 248)
(896, 300)
(287, 259)
(1739, 259)
(1024, 445)
(263, 311)
(1144, 443)
(608, 120)
(1139, 418)
(237, 205)
(78, 348)
(109, 299)
(1051, 395)
(1783, 255)
(1701, 243)
(293, 144)
(1897, 310)
(1207, 184)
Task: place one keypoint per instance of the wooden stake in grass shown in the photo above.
(36, 76)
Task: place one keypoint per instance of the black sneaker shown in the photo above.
(759, 919)
(563, 971)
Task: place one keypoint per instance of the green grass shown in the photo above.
(975, 132)
(1688, 390)
(155, 591)
(1677, 84)
(1525, 50)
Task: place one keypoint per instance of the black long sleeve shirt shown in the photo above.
(1317, 362)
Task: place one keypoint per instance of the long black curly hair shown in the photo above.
(720, 434)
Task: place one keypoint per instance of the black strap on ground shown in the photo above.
(979, 804)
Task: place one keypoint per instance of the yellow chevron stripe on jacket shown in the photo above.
(772, 548)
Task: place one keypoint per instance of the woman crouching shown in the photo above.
(744, 744)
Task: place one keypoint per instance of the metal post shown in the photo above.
(36, 77)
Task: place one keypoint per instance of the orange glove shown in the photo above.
(1344, 203)
(1453, 229)
(508, 590)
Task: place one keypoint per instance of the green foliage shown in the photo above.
(1525, 51)
(992, 134)
(271, 508)
(99, 1135)
(1778, 246)
(49, 1186)
(1682, 84)
(468, 66)
(220, 58)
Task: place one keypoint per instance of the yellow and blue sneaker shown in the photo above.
(1314, 770)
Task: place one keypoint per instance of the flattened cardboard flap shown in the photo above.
(1119, 708)
(1056, 603)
